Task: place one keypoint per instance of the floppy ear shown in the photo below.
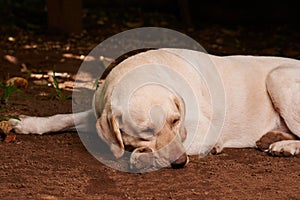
(179, 103)
(108, 129)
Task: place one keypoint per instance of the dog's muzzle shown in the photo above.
(143, 158)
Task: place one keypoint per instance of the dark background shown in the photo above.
(32, 14)
(222, 27)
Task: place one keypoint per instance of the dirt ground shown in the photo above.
(57, 166)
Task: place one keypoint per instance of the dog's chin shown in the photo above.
(146, 162)
(142, 167)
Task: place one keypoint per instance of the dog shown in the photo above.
(156, 122)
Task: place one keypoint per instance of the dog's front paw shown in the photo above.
(271, 137)
(17, 125)
(23, 125)
(217, 149)
(285, 148)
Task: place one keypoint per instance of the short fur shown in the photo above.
(261, 96)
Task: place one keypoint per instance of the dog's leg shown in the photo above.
(283, 85)
(56, 123)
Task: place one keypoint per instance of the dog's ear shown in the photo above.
(108, 129)
(180, 105)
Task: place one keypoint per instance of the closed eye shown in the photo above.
(148, 130)
(175, 121)
(147, 134)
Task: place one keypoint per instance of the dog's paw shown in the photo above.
(17, 125)
(217, 149)
(24, 125)
(271, 137)
(285, 148)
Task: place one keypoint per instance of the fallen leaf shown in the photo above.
(17, 82)
(5, 127)
(134, 24)
(11, 39)
(27, 46)
(40, 82)
(24, 68)
(10, 138)
(11, 59)
(229, 32)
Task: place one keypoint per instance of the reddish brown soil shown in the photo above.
(57, 166)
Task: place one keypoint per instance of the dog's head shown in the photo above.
(151, 126)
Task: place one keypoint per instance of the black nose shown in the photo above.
(180, 162)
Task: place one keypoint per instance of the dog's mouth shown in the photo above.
(146, 159)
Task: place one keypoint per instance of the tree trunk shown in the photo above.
(64, 16)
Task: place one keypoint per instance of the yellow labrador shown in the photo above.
(155, 122)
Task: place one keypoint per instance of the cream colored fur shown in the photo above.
(261, 95)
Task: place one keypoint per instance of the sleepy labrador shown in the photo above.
(159, 125)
